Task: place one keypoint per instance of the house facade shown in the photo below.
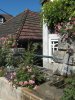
(50, 44)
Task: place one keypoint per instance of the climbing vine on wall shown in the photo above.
(57, 11)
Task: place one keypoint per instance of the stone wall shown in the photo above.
(9, 92)
(29, 95)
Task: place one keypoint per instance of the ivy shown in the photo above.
(58, 11)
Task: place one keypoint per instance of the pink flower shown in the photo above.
(14, 73)
(59, 27)
(11, 75)
(25, 83)
(31, 82)
(20, 83)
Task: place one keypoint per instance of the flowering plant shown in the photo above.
(29, 77)
(66, 30)
(55, 11)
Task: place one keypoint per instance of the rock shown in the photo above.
(48, 92)
(65, 57)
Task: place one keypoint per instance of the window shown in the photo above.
(1, 20)
(54, 45)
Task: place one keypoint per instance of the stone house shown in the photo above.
(63, 52)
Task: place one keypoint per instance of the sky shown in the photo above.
(14, 7)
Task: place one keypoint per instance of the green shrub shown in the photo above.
(57, 11)
(2, 72)
(69, 91)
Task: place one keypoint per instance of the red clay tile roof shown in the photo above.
(25, 26)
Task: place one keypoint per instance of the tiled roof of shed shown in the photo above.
(25, 25)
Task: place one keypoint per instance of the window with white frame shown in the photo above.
(1, 20)
(54, 45)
